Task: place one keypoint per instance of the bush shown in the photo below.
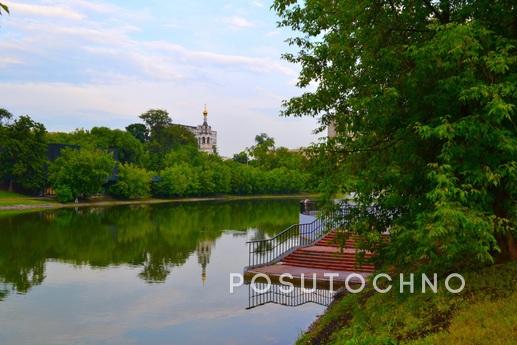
(178, 180)
(80, 173)
(133, 183)
(64, 194)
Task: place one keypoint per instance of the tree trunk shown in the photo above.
(511, 246)
(507, 242)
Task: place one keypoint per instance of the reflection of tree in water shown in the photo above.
(155, 237)
(3, 294)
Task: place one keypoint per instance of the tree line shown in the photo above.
(152, 158)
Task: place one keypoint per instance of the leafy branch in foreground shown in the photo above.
(423, 101)
(3, 7)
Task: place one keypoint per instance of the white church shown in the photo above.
(206, 137)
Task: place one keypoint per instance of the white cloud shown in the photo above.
(237, 119)
(252, 63)
(45, 10)
(237, 22)
(159, 60)
(6, 60)
(95, 71)
(95, 6)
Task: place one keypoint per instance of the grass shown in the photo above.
(484, 313)
(13, 199)
(483, 323)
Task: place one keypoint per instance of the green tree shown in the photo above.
(166, 140)
(222, 177)
(80, 173)
(422, 96)
(188, 154)
(156, 120)
(261, 151)
(133, 182)
(129, 149)
(23, 153)
(241, 157)
(241, 179)
(3, 7)
(5, 116)
(139, 131)
(178, 180)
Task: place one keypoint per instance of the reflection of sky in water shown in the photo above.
(81, 305)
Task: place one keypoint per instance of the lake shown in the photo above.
(147, 274)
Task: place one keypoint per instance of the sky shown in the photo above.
(78, 64)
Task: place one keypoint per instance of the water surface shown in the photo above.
(151, 274)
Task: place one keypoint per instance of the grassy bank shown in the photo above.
(484, 313)
(13, 203)
(10, 199)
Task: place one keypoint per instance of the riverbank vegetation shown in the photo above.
(485, 313)
(154, 158)
(13, 199)
(422, 97)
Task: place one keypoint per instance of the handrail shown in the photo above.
(272, 250)
(263, 293)
(277, 235)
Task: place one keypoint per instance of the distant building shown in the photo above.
(206, 137)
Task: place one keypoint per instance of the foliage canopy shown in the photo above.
(422, 95)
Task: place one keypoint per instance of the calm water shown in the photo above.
(141, 275)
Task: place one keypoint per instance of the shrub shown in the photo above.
(178, 180)
(133, 183)
(64, 194)
(81, 173)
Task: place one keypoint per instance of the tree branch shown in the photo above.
(433, 9)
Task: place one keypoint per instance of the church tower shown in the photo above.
(203, 251)
(206, 137)
(205, 116)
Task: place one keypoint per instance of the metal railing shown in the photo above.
(271, 250)
(274, 294)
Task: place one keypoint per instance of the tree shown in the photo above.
(155, 120)
(178, 180)
(23, 153)
(261, 151)
(139, 131)
(241, 157)
(422, 95)
(3, 7)
(5, 116)
(188, 154)
(80, 173)
(265, 141)
(168, 139)
(133, 182)
(129, 149)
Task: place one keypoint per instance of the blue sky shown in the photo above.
(77, 64)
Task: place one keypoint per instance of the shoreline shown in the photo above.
(46, 205)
